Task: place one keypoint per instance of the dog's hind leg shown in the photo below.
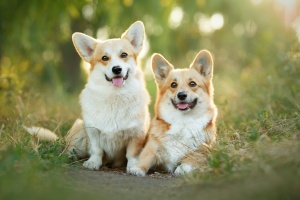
(77, 140)
(194, 160)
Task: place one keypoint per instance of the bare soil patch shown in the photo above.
(116, 184)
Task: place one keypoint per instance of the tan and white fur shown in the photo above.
(114, 101)
(185, 116)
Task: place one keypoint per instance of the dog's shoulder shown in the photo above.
(158, 128)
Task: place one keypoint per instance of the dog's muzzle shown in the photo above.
(118, 81)
(183, 105)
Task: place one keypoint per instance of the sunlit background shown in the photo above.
(252, 41)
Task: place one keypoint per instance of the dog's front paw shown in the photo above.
(136, 171)
(183, 169)
(131, 162)
(92, 164)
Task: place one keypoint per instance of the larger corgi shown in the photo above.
(185, 116)
(114, 101)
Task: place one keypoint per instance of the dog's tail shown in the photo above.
(41, 133)
(76, 138)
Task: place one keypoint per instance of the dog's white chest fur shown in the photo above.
(110, 114)
(184, 136)
(113, 110)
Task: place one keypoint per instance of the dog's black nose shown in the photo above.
(182, 95)
(117, 70)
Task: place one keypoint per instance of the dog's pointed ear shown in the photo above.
(160, 67)
(85, 45)
(203, 63)
(135, 35)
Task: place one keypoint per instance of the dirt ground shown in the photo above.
(116, 184)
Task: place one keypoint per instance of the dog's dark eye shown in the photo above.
(174, 85)
(104, 58)
(192, 84)
(124, 55)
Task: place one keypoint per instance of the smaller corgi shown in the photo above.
(185, 116)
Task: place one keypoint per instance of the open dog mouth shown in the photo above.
(117, 81)
(184, 105)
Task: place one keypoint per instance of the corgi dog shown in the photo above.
(185, 116)
(114, 101)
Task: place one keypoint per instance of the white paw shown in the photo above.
(131, 162)
(183, 169)
(92, 163)
(136, 171)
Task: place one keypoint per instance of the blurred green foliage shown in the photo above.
(36, 42)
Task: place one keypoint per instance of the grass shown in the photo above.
(258, 141)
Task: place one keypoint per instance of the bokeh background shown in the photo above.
(251, 40)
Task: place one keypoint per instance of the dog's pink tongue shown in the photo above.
(117, 81)
(182, 106)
